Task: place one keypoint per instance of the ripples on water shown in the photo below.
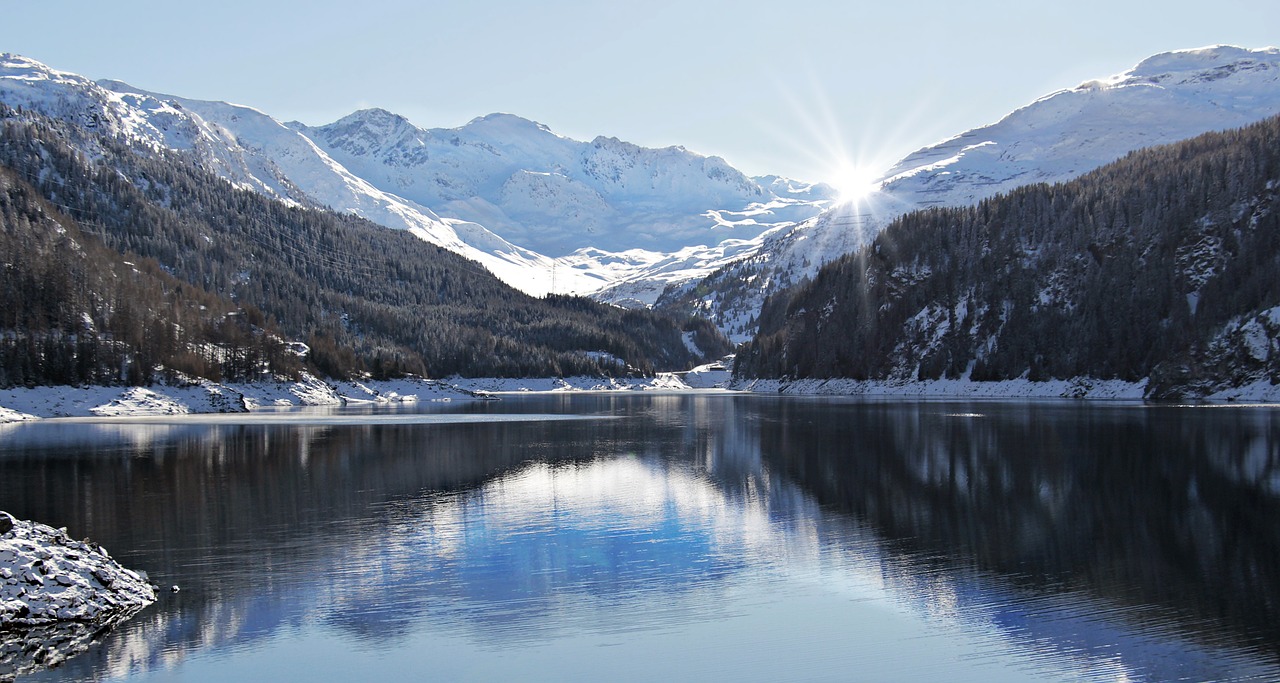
(681, 538)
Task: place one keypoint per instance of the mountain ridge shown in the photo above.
(1054, 138)
(624, 223)
(1159, 267)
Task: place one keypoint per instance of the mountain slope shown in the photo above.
(364, 298)
(79, 313)
(556, 195)
(609, 208)
(1166, 98)
(1160, 266)
(252, 151)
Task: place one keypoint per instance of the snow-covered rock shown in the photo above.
(46, 577)
(718, 375)
(203, 396)
(660, 382)
(58, 595)
(7, 415)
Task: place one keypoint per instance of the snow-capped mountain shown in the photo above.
(501, 190)
(556, 195)
(1166, 98)
(253, 151)
(621, 222)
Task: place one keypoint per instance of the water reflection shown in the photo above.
(754, 538)
(1162, 506)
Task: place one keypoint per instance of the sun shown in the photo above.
(853, 182)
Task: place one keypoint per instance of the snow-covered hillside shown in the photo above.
(253, 151)
(556, 195)
(1166, 98)
(550, 214)
(608, 208)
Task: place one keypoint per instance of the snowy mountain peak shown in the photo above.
(1165, 98)
(375, 133)
(375, 117)
(1206, 62)
(503, 125)
(18, 67)
(555, 194)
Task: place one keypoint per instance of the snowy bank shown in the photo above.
(710, 376)
(951, 388)
(58, 595)
(46, 577)
(662, 382)
(202, 396)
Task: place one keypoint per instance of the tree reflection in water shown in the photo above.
(1080, 530)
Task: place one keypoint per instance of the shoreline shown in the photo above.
(204, 397)
(1085, 388)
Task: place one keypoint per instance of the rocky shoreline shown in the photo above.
(58, 595)
(18, 404)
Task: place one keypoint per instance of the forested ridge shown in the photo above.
(76, 312)
(366, 299)
(1162, 265)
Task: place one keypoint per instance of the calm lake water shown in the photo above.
(679, 537)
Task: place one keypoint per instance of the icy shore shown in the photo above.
(57, 595)
(18, 404)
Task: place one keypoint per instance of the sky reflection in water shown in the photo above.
(691, 538)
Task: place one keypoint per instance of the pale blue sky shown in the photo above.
(773, 87)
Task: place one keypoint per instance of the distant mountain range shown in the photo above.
(543, 212)
(125, 264)
(625, 223)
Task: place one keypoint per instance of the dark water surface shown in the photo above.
(679, 537)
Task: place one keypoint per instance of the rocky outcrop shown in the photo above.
(48, 577)
(58, 595)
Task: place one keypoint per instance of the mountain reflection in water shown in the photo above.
(692, 536)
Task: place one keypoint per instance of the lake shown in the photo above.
(678, 537)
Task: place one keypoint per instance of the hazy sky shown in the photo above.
(774, 87)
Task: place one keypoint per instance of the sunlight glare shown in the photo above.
(853, 160)
(853, 182)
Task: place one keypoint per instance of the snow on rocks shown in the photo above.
(58, 595)
(660, 382)
(7, 415)
(202, 396)
(716, 375)
(46, 577)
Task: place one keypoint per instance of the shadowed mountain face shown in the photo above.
(1059, 137)
(1158, 267)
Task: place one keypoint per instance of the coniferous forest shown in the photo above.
(1162, 265)
(138, 261)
